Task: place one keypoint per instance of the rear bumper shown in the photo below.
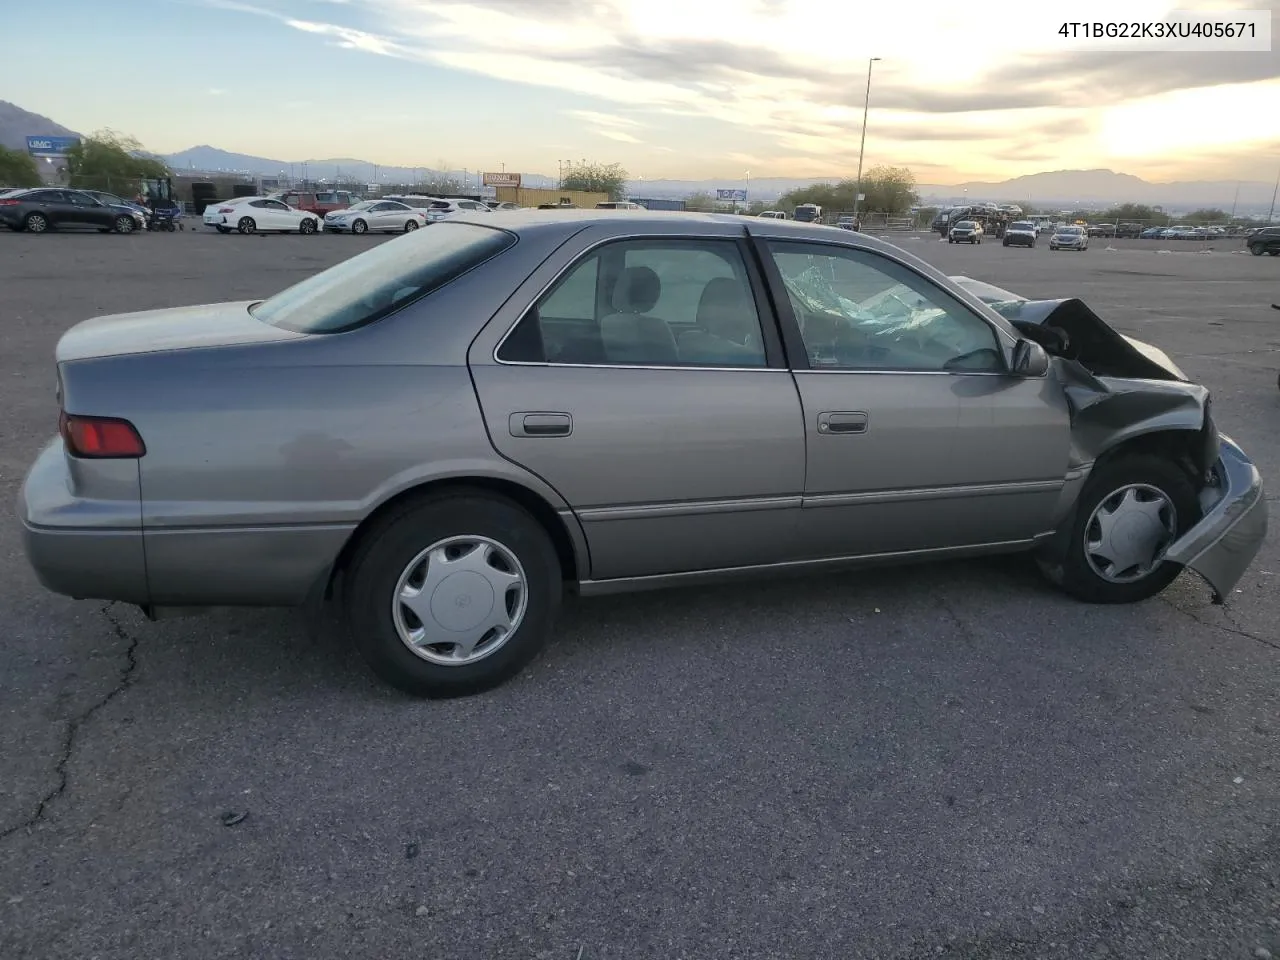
(87, 549)
(97, 549)
(1223, 544)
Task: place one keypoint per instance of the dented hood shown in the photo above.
(1069, 329)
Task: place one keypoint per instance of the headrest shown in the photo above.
(637, 290)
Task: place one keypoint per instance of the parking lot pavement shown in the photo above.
(945, 759)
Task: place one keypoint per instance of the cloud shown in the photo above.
(216, 91)
(602, 119)
(793, 73)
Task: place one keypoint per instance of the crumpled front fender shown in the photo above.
(1234, 523)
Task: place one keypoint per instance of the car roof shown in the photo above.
(633, 223)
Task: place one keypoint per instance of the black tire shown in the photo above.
(391, 544)
(1256, 249)
(124, 224)
(247, 225)
(410, 226)
(1078, 576)
(307, 227)
(36, 223)
(1273, 253)
(358, 226)
(223, 229)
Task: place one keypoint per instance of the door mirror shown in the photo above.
(1029, 359)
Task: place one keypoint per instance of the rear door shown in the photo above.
(918, 439)
(677, 451)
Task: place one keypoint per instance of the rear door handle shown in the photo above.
(842, 422)
(537, 424)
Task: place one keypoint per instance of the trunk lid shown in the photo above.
(177, 328)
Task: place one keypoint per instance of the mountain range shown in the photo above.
(1065, 187)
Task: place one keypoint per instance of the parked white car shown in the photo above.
(444, 209)
(379, 216)
(259, 215)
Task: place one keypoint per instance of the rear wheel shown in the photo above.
(452, 595)
(1129, 513)
(223, 229)
(35, 223)
(359, 226)
(410, 226)
(247, 225)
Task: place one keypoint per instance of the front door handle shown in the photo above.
(842, 422)
(536, 424)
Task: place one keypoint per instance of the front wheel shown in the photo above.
(359, 226)
(452, 595)
(124, 224)
(1131, 510)
(247, 225)
(307, 227)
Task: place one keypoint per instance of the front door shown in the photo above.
(647, 386)
(85, 211)
(918, 438)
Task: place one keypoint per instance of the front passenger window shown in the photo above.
(861, 311)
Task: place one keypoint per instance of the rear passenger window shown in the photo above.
(646, 303)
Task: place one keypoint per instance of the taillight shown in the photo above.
(226, 209)
(100, 438)
(9, 203)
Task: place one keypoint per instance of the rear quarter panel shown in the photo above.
(301, 439)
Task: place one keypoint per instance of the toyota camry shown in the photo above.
(447, 431)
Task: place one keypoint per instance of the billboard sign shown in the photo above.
(738, 195)
(502, 179)
(50, 146)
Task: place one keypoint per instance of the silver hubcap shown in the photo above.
(124, 226)
(460, 600)
(1128, 532)
(36, 224)
(410, 225)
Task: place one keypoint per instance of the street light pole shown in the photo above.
(866, 106)
(1272, 215)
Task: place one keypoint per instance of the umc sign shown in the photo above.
(50, 146)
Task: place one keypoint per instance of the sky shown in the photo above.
(679, 89)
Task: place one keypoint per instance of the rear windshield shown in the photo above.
(380, 281)
(440, 205)
(1020, 225)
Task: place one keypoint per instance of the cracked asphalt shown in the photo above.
(951, 759)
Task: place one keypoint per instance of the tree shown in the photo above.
(1207, 216)
(700, 202)
(888, 190)
(112, 161)
(597, 178)
(1138, 213)
(18, 169)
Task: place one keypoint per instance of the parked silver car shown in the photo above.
(378, 216)
(444, 431)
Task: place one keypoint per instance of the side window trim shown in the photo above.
(797, 352)
(769, 319)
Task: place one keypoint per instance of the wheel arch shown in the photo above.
(570, 545)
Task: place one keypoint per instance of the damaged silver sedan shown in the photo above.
(445, 432)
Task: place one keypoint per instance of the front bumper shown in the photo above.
(1223, 544)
